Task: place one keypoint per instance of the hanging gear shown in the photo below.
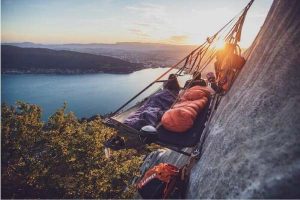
(229, 63)
(227, 66)
(166, 181)
(162, 181)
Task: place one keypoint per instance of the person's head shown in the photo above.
(172, 83)
(211, 77)
(200, 82)
(172, 76)
(197, 75)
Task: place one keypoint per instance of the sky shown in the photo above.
(110, 21)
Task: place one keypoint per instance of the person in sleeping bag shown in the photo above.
(151, 111)
(197, 80)
(180, 118)
(172, 84)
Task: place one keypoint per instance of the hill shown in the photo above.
(41, 60)
(148, 54)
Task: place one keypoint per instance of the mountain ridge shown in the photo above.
(43, 60)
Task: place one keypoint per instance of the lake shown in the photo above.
(86, 95)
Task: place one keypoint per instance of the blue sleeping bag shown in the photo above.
(152, 110)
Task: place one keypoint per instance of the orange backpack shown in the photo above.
(161, 182)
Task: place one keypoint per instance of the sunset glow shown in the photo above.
(219, 44)
(109, 21)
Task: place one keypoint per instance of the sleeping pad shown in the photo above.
(151, 111)
(181, 117)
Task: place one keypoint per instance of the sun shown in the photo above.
(219, 44)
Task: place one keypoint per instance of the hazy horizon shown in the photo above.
(96, 43)
(113, 21)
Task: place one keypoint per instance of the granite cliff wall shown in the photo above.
(253, 146)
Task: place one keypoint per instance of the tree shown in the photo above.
(61, 158)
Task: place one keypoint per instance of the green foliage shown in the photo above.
(61, 158)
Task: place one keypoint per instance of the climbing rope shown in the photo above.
(234, 37)
(201, 50)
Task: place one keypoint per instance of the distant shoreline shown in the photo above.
(16, 60)
(64, 73)
(20, 72)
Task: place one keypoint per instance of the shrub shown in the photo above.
(61, 158)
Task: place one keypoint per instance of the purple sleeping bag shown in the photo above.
(152, 110)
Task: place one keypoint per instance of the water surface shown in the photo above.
(86, 95)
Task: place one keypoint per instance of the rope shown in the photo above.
(179, 62)
(198, 150)
(199, 50)
(202, 45)
(193, 78)
(234, 36)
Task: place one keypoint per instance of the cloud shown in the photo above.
(138, 32)
(147, 9)
(178, 38)
(148, 14)
(142, 24)
(152, 20)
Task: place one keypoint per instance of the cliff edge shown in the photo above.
(253, 146)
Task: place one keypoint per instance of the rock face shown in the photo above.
(253, 146)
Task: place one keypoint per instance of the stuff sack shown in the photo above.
(161, 182)
(232, 65)
(229, 63)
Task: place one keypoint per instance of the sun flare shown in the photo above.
(219, 44)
